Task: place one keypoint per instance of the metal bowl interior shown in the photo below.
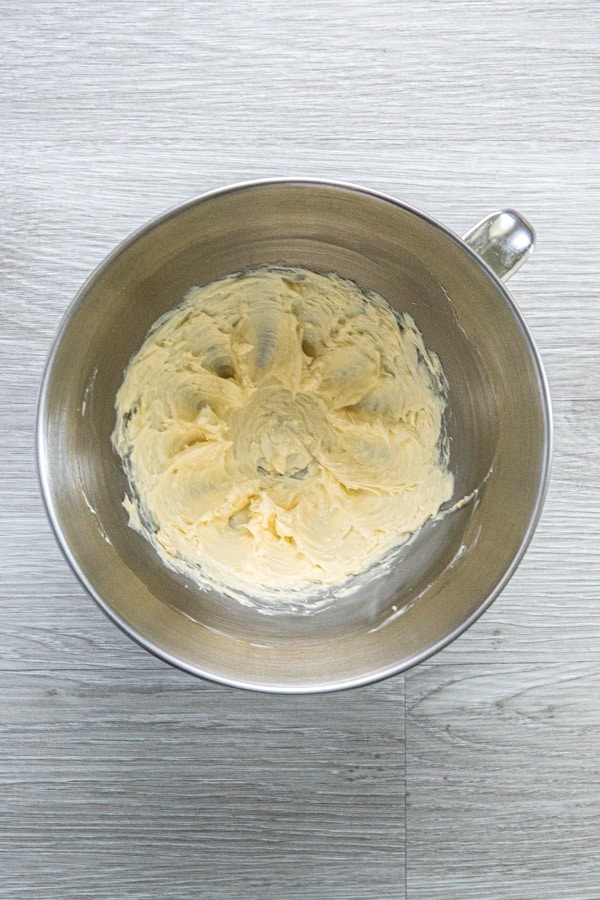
(498, 423)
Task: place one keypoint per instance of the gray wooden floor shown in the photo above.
(477, 775)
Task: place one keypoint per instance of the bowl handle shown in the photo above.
(504, 240)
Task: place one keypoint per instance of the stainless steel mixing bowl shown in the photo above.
(499, 425)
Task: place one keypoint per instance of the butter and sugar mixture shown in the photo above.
(281, 430)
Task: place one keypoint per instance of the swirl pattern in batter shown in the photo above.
(281, 430)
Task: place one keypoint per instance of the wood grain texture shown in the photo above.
(141, 782)
(122, 778)
(504, 781)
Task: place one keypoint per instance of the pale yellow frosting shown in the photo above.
(281, 431)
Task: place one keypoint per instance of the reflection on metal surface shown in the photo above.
(504, 240)
(499, 414)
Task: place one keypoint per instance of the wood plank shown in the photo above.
(503, 782)
(148, 783)
(258, 68)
